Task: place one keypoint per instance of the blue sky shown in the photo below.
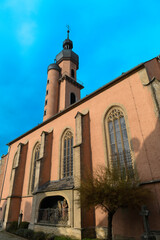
(110, 37)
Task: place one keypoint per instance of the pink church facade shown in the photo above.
(42, 170)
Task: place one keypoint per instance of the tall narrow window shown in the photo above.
(67, 164)
(15, 161)
(35, 157)
(72, 73)
(120, 153)
(72, 98)
(14, 164)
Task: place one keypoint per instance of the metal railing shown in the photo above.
(53, 216)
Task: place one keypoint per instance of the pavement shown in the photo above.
(9, 236)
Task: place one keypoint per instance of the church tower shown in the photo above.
(62, 88)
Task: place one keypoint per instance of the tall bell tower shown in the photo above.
(62, 88)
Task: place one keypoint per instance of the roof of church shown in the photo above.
(103, 88)
(62, 184)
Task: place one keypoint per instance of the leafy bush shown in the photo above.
(28, 233)
(39, 236)
(20, 232)
(61, 238)
(24, 225)
(50, 236)
(12, 227)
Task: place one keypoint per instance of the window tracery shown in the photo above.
(35, 157)
(119, 149)
(67, 163)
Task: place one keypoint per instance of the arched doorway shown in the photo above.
(53, 210)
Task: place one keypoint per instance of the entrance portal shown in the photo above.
(53, 210)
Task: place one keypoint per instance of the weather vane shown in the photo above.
(68, 31)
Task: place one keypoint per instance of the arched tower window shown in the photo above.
(35, 157)
(72, 98)
(119, 149)
(67, 154)
(72, 73)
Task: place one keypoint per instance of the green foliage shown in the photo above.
(24, 225)
(12, 227)
(89, 239)
(50, 236)
(28, 233)
(61, 238)
(111, 189)
(20, 232)
(39, 236)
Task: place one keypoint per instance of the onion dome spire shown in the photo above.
(67, 44)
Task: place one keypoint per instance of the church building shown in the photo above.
(117, 124)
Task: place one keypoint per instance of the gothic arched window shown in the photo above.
(67, 154)
(119, 149)
(35, 157)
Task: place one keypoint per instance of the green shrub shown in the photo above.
(89, 239)
(12, 227)
(20, 232)
(28, 233)
(61, 238)
(24, 225)
(39, 236)
(50, 237)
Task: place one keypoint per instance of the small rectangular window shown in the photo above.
(44, 112)
(47, 81)
(46, 102)
(47, 92)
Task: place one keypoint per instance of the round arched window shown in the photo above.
(72, 98)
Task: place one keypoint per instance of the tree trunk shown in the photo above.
(110, 217)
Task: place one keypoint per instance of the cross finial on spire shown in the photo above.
(68, 31)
